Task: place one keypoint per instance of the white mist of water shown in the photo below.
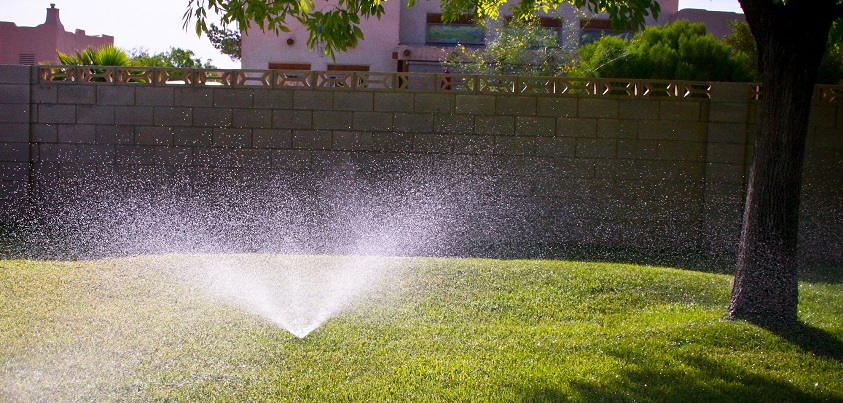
(297, 293)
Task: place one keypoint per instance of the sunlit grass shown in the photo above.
(440, 330)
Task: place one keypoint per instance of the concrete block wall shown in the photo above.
(644, 172)
(15, 132)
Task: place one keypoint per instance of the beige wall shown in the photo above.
(647, 172)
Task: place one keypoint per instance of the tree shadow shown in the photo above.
(710, 381)
(810, 339)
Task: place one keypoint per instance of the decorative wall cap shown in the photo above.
(375, 81)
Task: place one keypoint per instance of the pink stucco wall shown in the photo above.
(43, 41)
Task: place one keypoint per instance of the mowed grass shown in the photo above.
(441, 330)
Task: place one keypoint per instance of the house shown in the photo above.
(31, 45)
(716, 22)
(412, 39)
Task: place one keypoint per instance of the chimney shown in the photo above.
(52, 16)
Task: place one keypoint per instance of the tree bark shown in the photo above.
(791, 39)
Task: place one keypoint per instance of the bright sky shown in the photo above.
(156, 25)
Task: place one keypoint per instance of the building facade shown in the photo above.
(414, 39)
(31, 45)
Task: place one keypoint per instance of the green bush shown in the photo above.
(678, 51)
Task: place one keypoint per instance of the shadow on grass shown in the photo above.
(706, 381)
(810, 339)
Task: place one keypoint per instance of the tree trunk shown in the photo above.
(791, 40)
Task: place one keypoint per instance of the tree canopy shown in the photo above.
(338, 27)
(173, 57)
(681, 50)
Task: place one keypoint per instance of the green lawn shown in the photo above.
(444, 330)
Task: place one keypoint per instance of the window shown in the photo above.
(27, 59)
(462, 31)
(592, 30)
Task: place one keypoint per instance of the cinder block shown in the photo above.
(352, 141)
(475, 104)
(228, 137)
(681, 151)
(557, 106)
(253, 118)
(433, 103)
(515, 145)
(84, 94)
(312, 139)
(95, 114)
(45, 133)
(637, 149)
(473, 144)
(44, 94)
(174, 155)
(730, 92)
(15, 113)
(14, 94)
(201, 97)
(413, 122)
(14, 133)
(232, 98)
(453, 124)
(155, 96)
(291, 160)
(672, 130)
(617, 128)
(535, 126)
(115, 134)
(193, 136)
(823, 116)
(14, 152)
(726, 153)
(12, 74)
(292, 119)
(212, 117)
(115, 95)
(274, 98)
(154, 135)
(728, 112)
(556, 146)
(717, 173)
(95, 153)
(679, 110)
(597, 108)
(14, 171)
(332, 120)
(136, 154)
(392, 142)
(638, 108)
(494, 125)
(596, 148)
(47, 113)
(272, 138)
(353, 101)
(313, 100)
(393, 102)
(58, 153)
(372, 121)
(576, 127)
(733, 133)
(515, 105)
(133, 115)
(77, 134)
(433, 143)
(172, 116)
